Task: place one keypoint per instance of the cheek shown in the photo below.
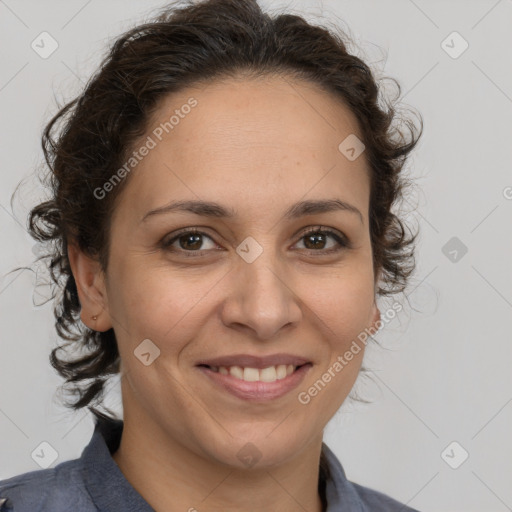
(342, 309)
(343, 301)
(156, 302)
(160, 302)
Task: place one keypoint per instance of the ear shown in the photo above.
(375, 316)
(376, 310)
(90, 284)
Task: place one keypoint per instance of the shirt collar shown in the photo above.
(341, 495)
(107, 485)
(110, 490)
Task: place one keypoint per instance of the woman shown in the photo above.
(221, 215)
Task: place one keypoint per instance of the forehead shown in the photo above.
(249, 140)
(270, 110)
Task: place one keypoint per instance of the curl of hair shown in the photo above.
(183, 46)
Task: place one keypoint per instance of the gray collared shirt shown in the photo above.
(94, 482)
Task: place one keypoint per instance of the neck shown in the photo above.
(170, 477)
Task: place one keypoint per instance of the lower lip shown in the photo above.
(257, 391)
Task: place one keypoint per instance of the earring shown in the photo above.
(94, 317)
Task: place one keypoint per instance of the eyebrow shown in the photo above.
(212, 209)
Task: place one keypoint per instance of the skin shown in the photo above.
(258, 146)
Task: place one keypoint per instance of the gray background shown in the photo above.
(447, 374)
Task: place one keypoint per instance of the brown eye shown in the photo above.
(187, 242)
(191, 241)
(316, 240)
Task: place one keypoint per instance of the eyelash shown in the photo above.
(341, 239)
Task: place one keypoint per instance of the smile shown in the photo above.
(255, 384)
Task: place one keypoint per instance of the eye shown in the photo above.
(189, 242)
(315, 240)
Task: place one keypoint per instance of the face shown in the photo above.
(257, 283)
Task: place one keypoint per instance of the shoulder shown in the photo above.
(347, 495)
(377, 501)
(55, 489)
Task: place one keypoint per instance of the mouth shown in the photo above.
(255, 384)
(249, 374)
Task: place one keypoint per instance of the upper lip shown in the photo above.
(260, 362)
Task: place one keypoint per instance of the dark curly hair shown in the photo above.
(182, 46)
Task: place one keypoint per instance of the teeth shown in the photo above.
(251, 374)
(282, 370)
(237, 372)
(269, 374)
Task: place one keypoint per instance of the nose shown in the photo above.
(261, 300)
